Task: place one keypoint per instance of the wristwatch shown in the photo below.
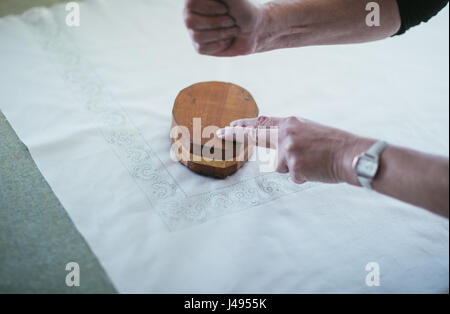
(367, 164)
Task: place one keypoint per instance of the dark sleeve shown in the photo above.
(414, 12)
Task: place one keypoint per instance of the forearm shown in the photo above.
(411, 176)
(298, 23)
(312, 152)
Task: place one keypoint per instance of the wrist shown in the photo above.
(273, 25)
(263, 32)
(280, 24)
(352, 149)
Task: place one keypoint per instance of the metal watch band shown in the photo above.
(366, 183)
(376, 150)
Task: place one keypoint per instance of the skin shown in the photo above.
(312, 152)
(242, 27)
(309, 151)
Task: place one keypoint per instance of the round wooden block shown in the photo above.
(206, 107)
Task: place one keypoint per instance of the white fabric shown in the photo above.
(93, 105)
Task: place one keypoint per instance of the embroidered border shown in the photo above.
(176, 209)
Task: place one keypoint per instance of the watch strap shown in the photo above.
(376, 150)
(366, 183)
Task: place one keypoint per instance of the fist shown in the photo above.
(223, 28)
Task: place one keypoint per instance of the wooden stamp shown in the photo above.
(198, 112)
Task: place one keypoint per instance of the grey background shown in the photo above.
(37, 238)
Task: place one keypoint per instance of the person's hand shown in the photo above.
(312, 152)
(223, 28)
(306, 150)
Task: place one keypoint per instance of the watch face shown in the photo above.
(367, 167)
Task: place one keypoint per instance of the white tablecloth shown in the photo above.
(93, 104)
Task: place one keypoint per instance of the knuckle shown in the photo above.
(216, 7)
(292, 120)
(197, 37)
(190, 21)
(262, 120)
(265, 121)
(189, 4)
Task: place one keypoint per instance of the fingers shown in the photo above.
(295, 172)
(284, 164)
(263, 137)
(211, 28)
(246, 136)
(287, 164)
(281, 166)
(208, 36)
(199, 22)
(262, 131)
(233, 134)
(266, 137)
(267, 134)
(206, 7)
(262, 121)
(282, 134)
(214, 47)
